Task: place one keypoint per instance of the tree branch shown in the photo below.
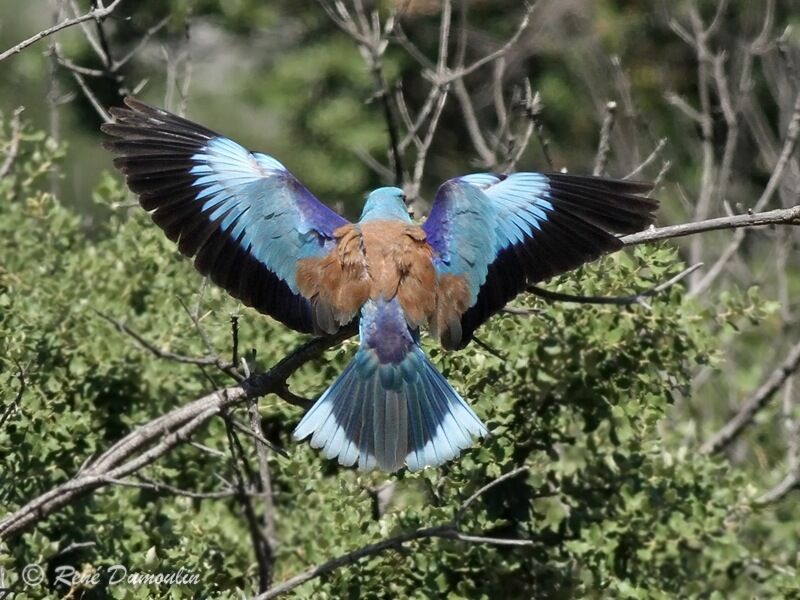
(97, 13)
(790, 482)
(782, 216)
(616, 300)
(747, 412)
(201, 361)
(13, 144)
(460, 73)
(604, 146)
(789, 145)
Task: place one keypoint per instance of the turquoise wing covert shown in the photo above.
(504, 232)
(243, 217)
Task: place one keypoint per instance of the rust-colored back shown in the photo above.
(379, 259)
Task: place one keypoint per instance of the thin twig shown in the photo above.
(615, 300)
(75, 546)
(212, 361)
(649, 160)
(98, 107)
(259, 437)
(261, 547)
(473, 127)
(604, 146)
(268, 516)
(422, 149)
(482, 490)
(13, 144)
(500, 52)
(158, 487)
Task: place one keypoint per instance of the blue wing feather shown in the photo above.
(502, 232)
(243, 216)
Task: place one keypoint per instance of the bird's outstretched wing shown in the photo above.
(494, 234)
(243, 216)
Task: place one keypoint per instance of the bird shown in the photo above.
(255, 230)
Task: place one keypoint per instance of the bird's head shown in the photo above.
(386, 203)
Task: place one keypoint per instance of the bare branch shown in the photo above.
(268, 517)
(422, 149)
(500, 52)
(157, 486)
(682, 105)
(649, 160)
(258, 437)
(372, 40)
(482, 490)
(790, 482)
(13, 144)
(789, 145)
(261, 547)
(758, 400)
(784, 216)
(604, 146)
(143, 40)
(97, 13)
(106, 118)
(200, 361)
(381, 170)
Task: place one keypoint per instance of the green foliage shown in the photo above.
(614, 501)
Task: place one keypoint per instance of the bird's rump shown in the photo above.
(390, 407)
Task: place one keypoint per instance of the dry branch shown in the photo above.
(97, 13)
(744, 417)
(604, 146)
(638, 298)
(782, 216)
(13, 144)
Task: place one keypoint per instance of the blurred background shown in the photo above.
(281, 77)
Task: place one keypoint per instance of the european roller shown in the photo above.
(256, 231)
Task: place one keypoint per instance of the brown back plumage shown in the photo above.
(377, 259)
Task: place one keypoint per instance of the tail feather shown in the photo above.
(388, 415)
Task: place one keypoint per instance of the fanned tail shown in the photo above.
(383, 413)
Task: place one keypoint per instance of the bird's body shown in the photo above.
(383, 267)
(259, 233)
